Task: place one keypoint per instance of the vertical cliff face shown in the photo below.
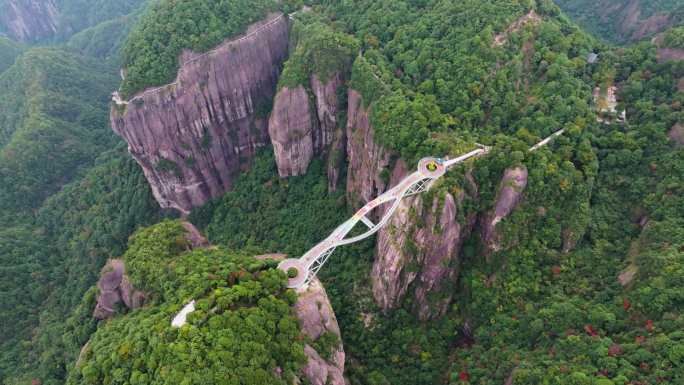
(317, 319)
(511, 190)
(369, 163)
(194, 136)
(421, 247)
(304, 125)
(28, 20)
(291, 128)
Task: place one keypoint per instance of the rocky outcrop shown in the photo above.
(371, 167)
(317, 320)
(667, 54)
(115, 289)
(28, 20)
(510, 193)
(194, 136)
(421, 244)
(299, 130)
(529, 18)
(421, 247)
(291, 128)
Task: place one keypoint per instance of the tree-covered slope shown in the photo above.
(9, 50)
(624, 21)
(243, 330)
(152, 51)
(53, 121)
(54, 21)
(60, 219)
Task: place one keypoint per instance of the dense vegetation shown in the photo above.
(586, 291)
(623, 21)
(243, 331)
(319, 51)
(9, 50)
(61, 100)
(70, 16)
(438, 69)
(69, 198)
(267, 214)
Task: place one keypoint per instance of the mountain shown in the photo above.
(624, 21)
(265, 125)
(32, 21)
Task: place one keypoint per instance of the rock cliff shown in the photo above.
(194, 136)
(421, 246)
(28, 20)
(325, 366)
(510, 193)
(115, 290)
(302, 126)
(418, 253)
(371, 166)
(291, 128)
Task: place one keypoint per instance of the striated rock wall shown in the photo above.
(292, 129)
(510, 193)
(194, 136)
(317, 318)
(302, 126)
(421, 247)
(28, 20)
(371, 167)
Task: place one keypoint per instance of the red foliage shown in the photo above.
(590, 330)
(649, 325)
(464, 376)
(626, 304)
(614, 350)
(556, 270)
(639, 339)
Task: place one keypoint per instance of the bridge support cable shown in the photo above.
(367, 222)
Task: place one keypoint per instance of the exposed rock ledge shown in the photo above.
(301, 128)
(29, 20)
(115, 289)
(317, 317)
(511, 190)
(194, 136)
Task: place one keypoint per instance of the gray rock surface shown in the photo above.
(510, 193)
(317, 317)
(28, 20)
(370, 167)
(194, 136)
(115, 289)
(303, 126)
(425, 256)
(676, 134)
(292, 128)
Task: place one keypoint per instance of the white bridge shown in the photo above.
(302, 270)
